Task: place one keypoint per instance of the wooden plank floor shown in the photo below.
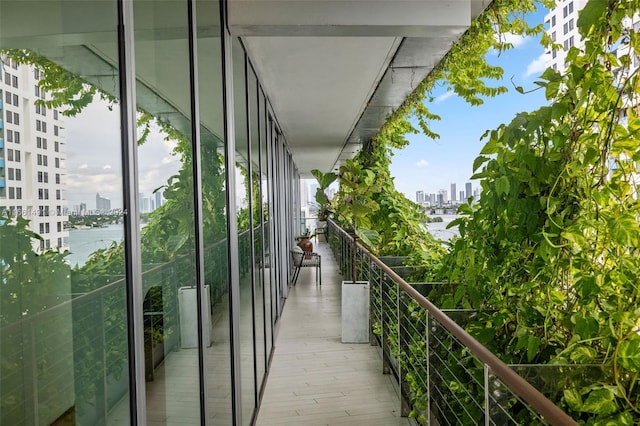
(315, 379)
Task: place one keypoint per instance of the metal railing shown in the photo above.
(444, 374)
(73, 355)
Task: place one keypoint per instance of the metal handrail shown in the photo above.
(86, 297)
(518, 385)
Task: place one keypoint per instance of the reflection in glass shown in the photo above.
(63, 339)
(167, 212)
(243, 188)
(266, 271)
(218, 360)
(256, 207)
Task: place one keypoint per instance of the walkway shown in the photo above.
(317, 380)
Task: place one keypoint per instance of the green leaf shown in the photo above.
(573, 399)
(583, 355)
(600, 401)
(587, 286)
(321, 197)
(502, 185)
(590, 14)
(532, 347)
(369, 237)
(629, 353)
(624, 230)
(490, 147)
(479, 161)
(586, 327)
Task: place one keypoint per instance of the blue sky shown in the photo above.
(430, 165)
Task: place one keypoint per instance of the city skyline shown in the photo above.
(435, 163)
(443, 196)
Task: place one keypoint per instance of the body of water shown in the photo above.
(83, 242)
(438, 229)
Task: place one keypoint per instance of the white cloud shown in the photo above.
(537, 65)
(169, 160)
(93, 158)
(443, 97)
(516, 40)
(422, 163)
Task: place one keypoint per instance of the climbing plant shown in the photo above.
(548, 257)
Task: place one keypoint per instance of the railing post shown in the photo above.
(403, 347)
(487, 414)
(427, 343)
(384, 299)
(372, 292)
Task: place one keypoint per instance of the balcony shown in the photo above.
(316, 379)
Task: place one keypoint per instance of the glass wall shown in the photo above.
(168, 242)
(255, 207)
(71, 327)
(63, 322)
(243, 214)
(216, 255)
(267, 269)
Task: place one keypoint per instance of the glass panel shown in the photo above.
(266, 225)
(243, 185)
(261, 361)
(63, 339)
(219, 403)
(553, 381)
(167, 234)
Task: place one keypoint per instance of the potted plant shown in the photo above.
(357, 184)
(304, 241)
(324, 180)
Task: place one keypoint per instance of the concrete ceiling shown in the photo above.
(335, 69)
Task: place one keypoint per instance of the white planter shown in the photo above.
(187, 303)
(355, 312)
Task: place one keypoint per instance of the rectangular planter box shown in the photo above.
(187, 303)
(355, 312)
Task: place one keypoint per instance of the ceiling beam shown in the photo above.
(356, 18)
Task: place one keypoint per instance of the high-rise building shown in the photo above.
(462, 199)
(561, 22)
(159, 199)
(453, 192)
(561, 26)
(420, 197)
(467, 189)
(103, 205)
(444, 194)
(32, 161)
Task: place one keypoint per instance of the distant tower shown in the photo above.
(419, 197)
(467, 188)
(453, 192)
(159, 200)
(443, 192)
(461, 196)
(103, 205)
